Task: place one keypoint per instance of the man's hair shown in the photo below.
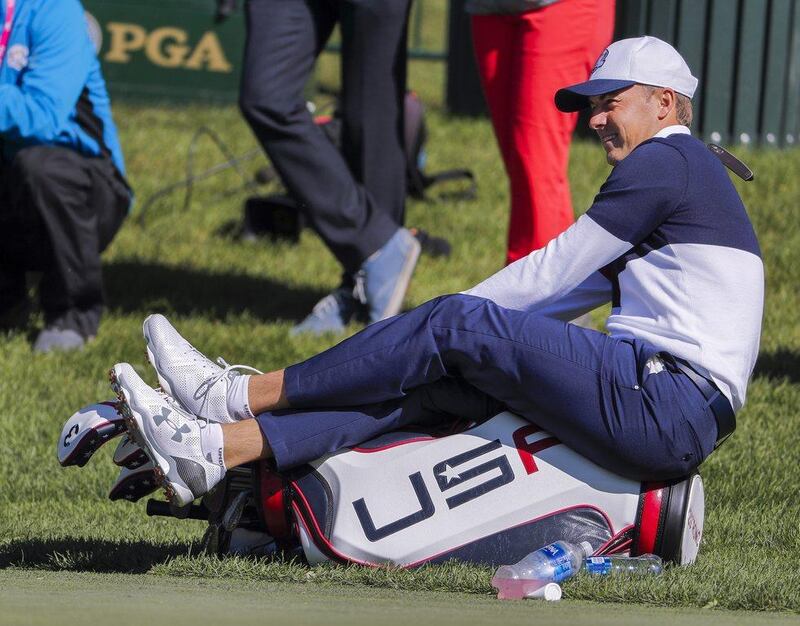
(683, 109)
(683, 105)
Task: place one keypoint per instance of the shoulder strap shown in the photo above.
(731, 162)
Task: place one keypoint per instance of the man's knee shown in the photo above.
(39, 167)
(30, 165)
(266, 108)
(452, 308)
(456, 302)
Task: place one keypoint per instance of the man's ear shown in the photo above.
(666, 103)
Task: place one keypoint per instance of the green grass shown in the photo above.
(31, 598)
(239, 299)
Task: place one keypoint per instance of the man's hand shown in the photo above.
(225, 8)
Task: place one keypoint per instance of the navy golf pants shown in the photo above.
(463, 357)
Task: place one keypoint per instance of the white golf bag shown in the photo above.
(489, 494)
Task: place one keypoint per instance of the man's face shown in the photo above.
(623, 119)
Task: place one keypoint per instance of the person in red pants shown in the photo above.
(526, 50)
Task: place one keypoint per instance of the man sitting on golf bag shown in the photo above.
(667, 240)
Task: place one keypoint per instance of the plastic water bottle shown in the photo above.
(551, 564)
(614, 564)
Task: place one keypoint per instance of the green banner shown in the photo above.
(167, 50)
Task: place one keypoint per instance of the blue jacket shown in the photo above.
(51, 88)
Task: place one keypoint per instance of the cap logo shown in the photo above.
(600, 61)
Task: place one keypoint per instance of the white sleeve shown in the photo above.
(587, 296)
(547, 275)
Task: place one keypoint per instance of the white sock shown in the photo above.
(238, 404)
(212, 444)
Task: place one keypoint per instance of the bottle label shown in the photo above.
(598, 565)
(560, 560)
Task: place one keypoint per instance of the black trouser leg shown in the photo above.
(284, 38)
(373, 91)
(13, 303)
(64, 208)
(12, 278)
(17, 227)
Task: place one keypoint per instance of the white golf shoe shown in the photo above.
(195, 381)
(176, 442)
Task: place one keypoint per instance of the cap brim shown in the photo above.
(576, 97)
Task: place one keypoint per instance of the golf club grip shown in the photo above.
(157, 508)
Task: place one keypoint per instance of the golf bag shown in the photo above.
(489, 494)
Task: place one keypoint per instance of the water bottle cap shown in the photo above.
(587, 548)
(550, 592)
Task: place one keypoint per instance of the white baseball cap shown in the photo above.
(641, 60)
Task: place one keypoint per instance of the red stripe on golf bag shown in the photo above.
(273, 504)
(649, 518)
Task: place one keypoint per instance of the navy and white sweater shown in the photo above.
(668, 241)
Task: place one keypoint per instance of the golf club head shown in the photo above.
(87, 430)
(129, 454)
(233, 514)
(133, 484)
(211, 539)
